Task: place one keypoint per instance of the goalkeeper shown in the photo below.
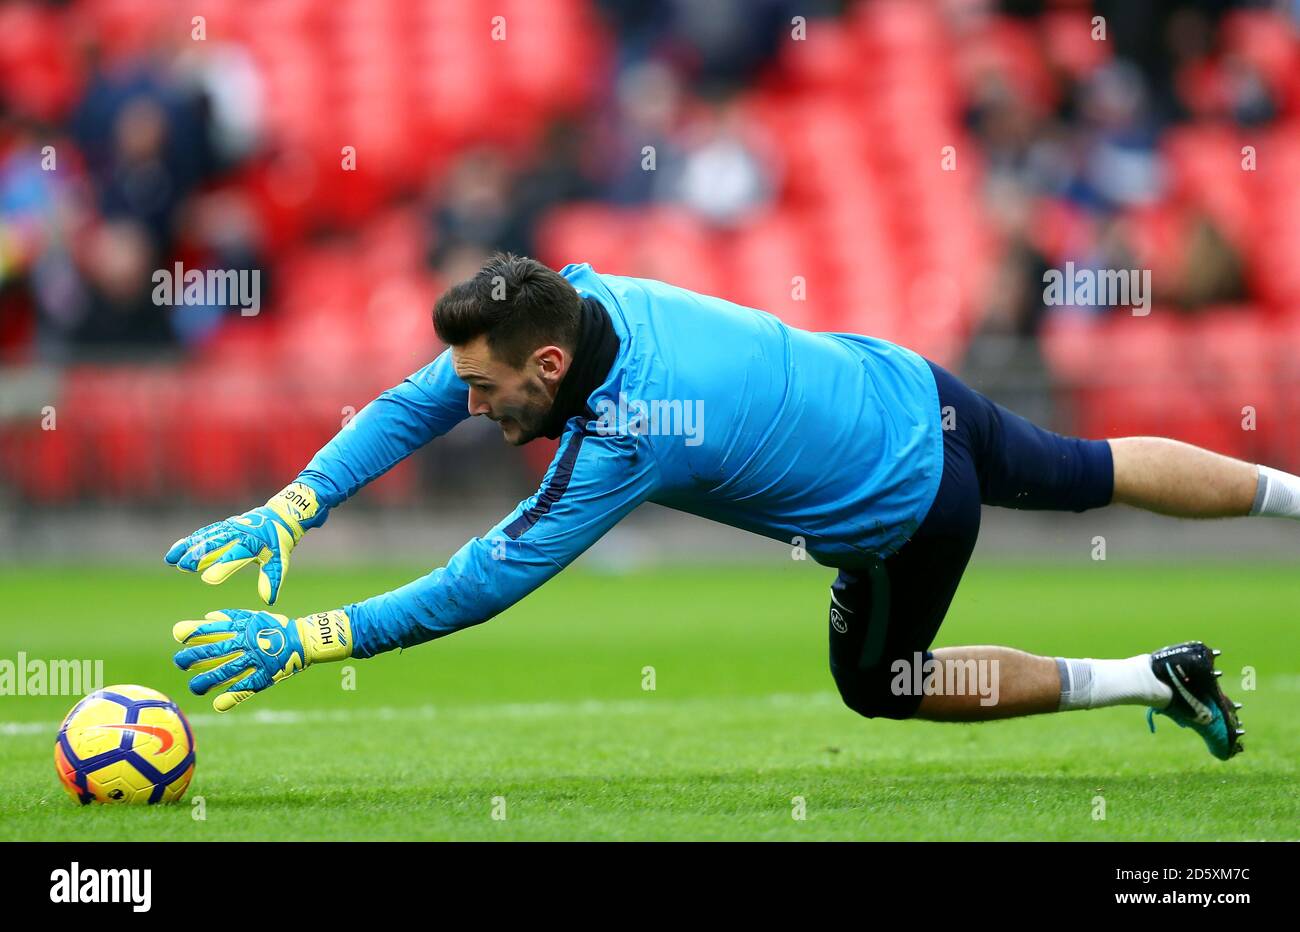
(877, 458)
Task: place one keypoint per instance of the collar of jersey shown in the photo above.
(598, 344)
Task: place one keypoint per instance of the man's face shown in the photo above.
(519, 400)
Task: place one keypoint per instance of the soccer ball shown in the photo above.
(125, 744)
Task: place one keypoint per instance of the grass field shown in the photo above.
(544, 706)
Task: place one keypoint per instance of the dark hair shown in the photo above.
(517, 302)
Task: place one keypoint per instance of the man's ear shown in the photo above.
(552, 363)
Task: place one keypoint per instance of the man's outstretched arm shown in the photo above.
(383, 433)
(593, 483)
(400, 421)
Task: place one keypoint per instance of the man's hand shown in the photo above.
(245, 652)
(265, 535)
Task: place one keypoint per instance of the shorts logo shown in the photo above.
(838, 622)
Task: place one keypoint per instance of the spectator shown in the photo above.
(722, 176)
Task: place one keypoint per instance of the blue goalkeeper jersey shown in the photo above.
(829, 440)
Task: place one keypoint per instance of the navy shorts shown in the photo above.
(893, 609)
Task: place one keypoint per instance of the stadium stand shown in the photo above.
(845, 220)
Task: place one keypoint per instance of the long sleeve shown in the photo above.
(383, 433)
(594, 481)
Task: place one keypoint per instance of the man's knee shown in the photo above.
(878, 691)
(862, 661)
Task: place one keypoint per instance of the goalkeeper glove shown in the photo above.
(265, 535)
(245, 652)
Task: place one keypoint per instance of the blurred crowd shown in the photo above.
(152, 151)
(1085, 142)
(99, 191)
(109, 171)
(1072, 130)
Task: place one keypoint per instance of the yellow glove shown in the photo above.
(244, 652)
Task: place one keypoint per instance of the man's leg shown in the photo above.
(1026, 684)
(1174, 478)
(1023, 466)
(1164, 476)
(1178, 681)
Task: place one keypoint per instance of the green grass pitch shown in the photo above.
(544, 707)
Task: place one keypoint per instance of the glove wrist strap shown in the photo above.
(297, 504)
(326, 636)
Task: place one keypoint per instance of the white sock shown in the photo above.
(1094, 684)
(1277, 495)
